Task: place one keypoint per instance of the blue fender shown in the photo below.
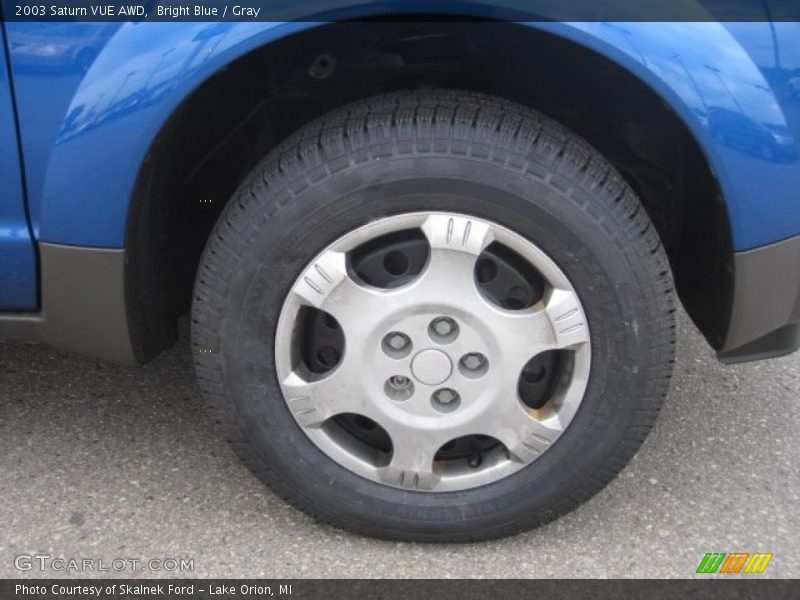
(88, 120)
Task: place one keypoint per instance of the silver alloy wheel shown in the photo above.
(433, 360)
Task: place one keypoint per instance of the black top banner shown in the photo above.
(398, 10)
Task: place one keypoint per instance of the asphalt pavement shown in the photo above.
(104, 462)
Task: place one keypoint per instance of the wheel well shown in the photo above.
(230, 122)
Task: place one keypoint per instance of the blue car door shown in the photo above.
(17, 253)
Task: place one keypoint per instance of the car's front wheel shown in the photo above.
(434, 316)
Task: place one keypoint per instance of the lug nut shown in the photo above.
(473, 361)
(397, 345)
(399, 388)
(475, 459)
(398, 342)
(443, 330)
(443, 326)
(473, 365)
(445, 400)
(445, 396)
(399, 382)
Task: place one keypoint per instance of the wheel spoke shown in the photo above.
(327, 285)
(525, 436)
(313, 401)
(455, 244)
(557, 324)
(411, 465)
(566, 315)
(458, 234)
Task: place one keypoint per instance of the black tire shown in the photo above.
(432, 150)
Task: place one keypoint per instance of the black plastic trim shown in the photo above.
(765, 317)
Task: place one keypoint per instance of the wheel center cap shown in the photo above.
(431, 367)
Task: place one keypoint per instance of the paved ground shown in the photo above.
(102, 461)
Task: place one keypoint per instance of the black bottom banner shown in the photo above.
(383, 589)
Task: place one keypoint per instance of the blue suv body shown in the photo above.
(82, 106)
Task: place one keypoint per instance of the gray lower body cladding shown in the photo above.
(84, 304)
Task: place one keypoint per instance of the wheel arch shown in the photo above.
(205, 50)
(141, 225)
(155, 296)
